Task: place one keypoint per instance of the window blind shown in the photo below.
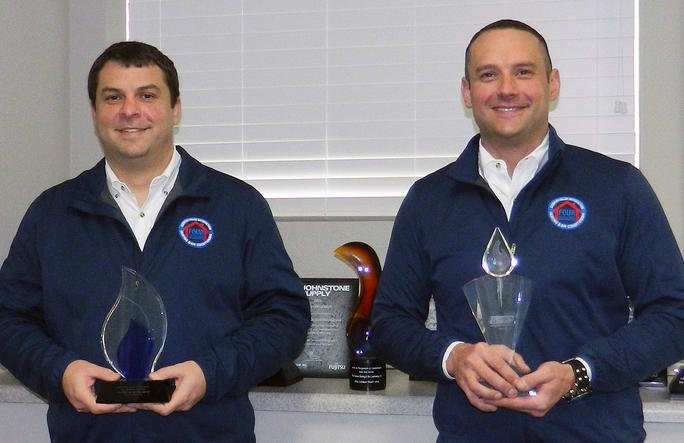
(334, 108)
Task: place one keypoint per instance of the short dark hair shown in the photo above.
(510, 24)
(136, 54)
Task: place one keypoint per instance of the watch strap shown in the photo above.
(582, 384)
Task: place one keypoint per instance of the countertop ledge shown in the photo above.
(332, 395)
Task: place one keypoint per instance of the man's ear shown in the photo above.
(554, 84)
(465, 93)
(177, 111)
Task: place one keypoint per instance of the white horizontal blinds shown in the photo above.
(595, 56)
(335, 107)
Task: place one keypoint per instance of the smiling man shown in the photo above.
(206, 241)
(509, 84)
(588, 231)
(134, 115)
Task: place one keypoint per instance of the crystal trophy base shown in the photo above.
(367, 374)
(144, 391)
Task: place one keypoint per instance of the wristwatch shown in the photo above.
(582, 385)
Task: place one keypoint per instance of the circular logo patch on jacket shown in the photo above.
(196, 232)
(567, 212)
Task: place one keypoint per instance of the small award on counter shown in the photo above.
(366, 371)
(499, 300)
(133, 336)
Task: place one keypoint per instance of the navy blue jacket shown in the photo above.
(235, 305)
(616, 246)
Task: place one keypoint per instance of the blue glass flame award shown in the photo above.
(500, 299)
(133, 336)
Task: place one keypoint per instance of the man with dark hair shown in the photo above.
(138, 55)
(578, 352)
(236, 309)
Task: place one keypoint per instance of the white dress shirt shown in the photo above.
(141, 218)
(505, 187)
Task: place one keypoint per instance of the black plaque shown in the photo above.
(146, 391)
(326, 353)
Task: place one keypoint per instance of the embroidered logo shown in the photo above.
(196, 232)
(567, 212)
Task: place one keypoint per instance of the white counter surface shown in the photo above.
(329, 395)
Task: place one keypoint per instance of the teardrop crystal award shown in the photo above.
(133, 337)
(500, 299)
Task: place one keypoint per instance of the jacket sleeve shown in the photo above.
(402, 302)
(27, 350)
(275, 310)
(652, 273)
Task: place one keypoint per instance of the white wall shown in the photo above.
(34, 108)
(662, 106)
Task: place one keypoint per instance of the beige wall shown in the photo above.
(662, 105)
(34, 106)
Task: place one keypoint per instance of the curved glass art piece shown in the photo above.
(367, 372)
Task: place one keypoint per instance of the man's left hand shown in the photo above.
(190, 388)
(550, 381)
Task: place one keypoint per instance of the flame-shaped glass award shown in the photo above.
(499, 300)
(133, 336)
(366, 371)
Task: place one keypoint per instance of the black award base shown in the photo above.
(367, 374)
(123, 391)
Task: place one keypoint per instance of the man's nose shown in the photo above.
(508, 86)
(129, 107)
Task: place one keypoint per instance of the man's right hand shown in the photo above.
(78, 383)
(472, 364)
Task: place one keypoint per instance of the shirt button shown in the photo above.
(142, 214)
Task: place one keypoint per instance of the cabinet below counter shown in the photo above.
(325, 409)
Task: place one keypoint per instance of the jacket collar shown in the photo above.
(91, 193)
(465, 167)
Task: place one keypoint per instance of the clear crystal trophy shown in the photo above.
(500, 299)
(133, 337)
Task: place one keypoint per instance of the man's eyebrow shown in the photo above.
(109, 89)
(148, 87)
(491, 66)
(486, 68)
(151, 86)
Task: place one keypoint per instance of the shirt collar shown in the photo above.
(166, 179)
(540, 156)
